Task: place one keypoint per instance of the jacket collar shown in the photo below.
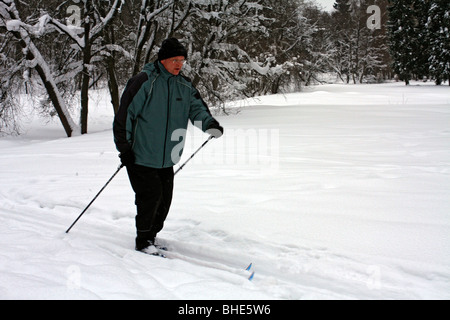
(162, 71)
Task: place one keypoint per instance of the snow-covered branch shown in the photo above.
(107, 19)
(251, 63)
(71, 31)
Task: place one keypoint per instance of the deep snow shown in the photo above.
(338, 192)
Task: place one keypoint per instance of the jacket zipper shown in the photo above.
(134, 134)
(167, 121)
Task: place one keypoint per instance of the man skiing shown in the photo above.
(154, 104)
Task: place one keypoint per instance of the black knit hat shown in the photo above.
(171, 48)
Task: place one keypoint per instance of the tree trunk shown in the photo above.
(56, 100)
(85, 76)
(44, 73)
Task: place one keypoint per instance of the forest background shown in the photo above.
(56, 51)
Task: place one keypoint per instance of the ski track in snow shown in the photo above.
(356, 207)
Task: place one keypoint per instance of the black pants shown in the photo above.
(154, 190)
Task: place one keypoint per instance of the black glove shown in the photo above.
(215, 129)
(127, 158)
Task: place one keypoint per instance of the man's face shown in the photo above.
(174, 64)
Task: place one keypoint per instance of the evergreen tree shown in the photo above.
(421, 41)
(402, 29)
(343, 6)
(342, 47)
(438, 34)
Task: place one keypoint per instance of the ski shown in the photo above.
(163, 252)
(157, 252)
(154, 254)
(250, 278)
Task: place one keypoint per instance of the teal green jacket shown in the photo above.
(153, 116)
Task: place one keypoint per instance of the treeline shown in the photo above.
(60, 50)
(420, 39)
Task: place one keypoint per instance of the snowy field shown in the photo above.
(338, 192)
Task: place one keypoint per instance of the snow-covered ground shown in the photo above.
(338, 192)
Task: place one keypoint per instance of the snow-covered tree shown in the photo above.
(369, 46)
(237, 48)
(10, 110)
(25, 34)
(148, 29)
(95, 15)
(409, 40)
(358, 52)
(83, 32)
(437, 27)
(402, 35)
(215, 34)
(288, 45)
(419, 34)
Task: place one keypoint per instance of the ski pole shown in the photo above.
(193, 155)
(118, 169)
